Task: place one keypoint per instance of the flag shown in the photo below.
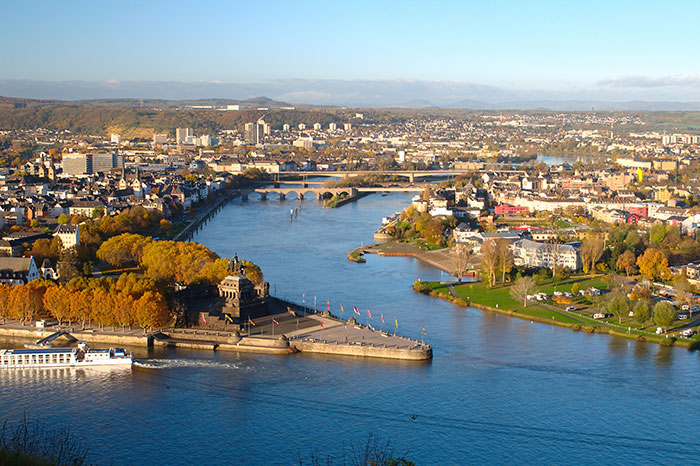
(356, 311)
(274, 321)
(303, 299)
(382, 317)
(204, 320)
(369, 314)
(397, 323)
(341, 309)
(329, 305)
(322, 327)
(251, 321)
(424, 333)
(228, 317)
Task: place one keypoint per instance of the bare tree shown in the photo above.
(591, 251)
(523, 287)
(554, 250)
(489, 260)
(461, 255)
(505, 258)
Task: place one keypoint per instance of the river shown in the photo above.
(499, 390)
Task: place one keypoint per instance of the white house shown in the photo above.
(69, 234)
(532, 254)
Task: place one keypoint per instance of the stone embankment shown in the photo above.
(318, 333)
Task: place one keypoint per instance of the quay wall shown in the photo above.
(415, 353)
(90, 337)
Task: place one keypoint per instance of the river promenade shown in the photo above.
(299, 329)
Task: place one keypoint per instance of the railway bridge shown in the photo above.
(301, 192)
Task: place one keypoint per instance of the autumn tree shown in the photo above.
(626, 262)
(575, 288)
(151, 310)
(653, 264)
(57, 300)
(664, 314)
(26, 301)
(124, 310)
(214, 272)
(123, 250)
(81, 306)
(103, 307)
(5, 293)
(521, 288)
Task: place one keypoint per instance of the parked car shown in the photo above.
(599, 315)
(687, 333)
(659, 330)
(570, 308)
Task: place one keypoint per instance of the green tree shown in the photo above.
(664, 314)
(642, 312)
(619, 306)
(63, 219)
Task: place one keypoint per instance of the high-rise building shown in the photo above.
(181, 134)
(347, 126)
(103, 163)
(302, 126)
(116, 139)
(285, 127)
(332, 126)
(317, 126)
(254, 133)
(77, 164)
(205, 140)
(160, 138)
(87, 164)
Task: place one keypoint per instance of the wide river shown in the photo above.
(499, 390)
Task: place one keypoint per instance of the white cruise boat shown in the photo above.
(82, 356)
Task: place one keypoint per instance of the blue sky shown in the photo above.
(552, 45)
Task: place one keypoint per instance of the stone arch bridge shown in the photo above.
(301, 193)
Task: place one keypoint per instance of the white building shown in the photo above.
(532, 254)
(332, 126)
(69, 234)
(116, 139)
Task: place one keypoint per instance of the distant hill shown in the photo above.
(138, 117)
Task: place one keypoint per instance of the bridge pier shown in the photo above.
(244, 196)
(283, 196)
(301, 196)
(263, 196)
(411, 177)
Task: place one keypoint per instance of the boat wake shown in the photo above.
(179, 363)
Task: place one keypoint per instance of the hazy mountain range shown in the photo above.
(606, 95)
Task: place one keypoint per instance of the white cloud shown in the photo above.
(647, 81)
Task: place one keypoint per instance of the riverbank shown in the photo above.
(298, 329)
(498, 300)
(199, 217)
(336, 202)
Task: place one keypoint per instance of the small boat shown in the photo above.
(81, 356)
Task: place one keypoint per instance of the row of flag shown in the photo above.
(357, 311)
